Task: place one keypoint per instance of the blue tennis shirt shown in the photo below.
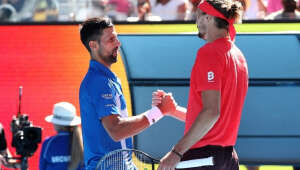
(100, 95)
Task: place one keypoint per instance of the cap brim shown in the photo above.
(74, 122)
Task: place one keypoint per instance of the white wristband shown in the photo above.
(181, 109)
(153, 115)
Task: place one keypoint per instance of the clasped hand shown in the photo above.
(164, 101)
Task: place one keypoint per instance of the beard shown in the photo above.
(202, 35)
(201, 32)
(111, 58)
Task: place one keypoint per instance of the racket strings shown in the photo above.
(125, 160)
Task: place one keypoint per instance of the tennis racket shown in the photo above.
(126, 159)
(132, 159)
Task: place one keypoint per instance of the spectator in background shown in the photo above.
(144, 9)
(46, 10)
(17, 4)
(64, 150)
(91, 9)
(288, 12)
(119, 10)
(192, 12)
(245, 5)
(253, 10)
(26, 11)
(4, 152)
(66, 9)
(274, 5)
(7, 13)
(169, 10)
(269, 7)
(23, 9)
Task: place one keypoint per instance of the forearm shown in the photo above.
(179, 113)
(203, 123)
(126, 127)
(131, 126)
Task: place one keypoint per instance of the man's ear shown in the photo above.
(93, 45)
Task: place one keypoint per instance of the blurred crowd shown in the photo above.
(134, 10)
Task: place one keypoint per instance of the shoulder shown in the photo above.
(55, 139)
(93, 76)
(51, 144)
(206, 51)
(94, 82)
(212, 53)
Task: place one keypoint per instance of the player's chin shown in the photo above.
(202, 35)
(114, 58)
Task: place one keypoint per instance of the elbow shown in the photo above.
(116, 138)
(116, 135)
(216, 114)
(213, 112)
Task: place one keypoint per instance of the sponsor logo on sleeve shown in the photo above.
(107, 96)
(109, 105)
(210, 76)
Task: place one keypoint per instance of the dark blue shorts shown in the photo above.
(224, 158)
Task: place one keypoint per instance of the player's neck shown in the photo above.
(99, 60)
(215, 33)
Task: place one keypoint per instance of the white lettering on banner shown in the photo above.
(60, 159)
(210, 76)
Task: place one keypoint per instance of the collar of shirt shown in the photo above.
(100, 67)
(63, 132)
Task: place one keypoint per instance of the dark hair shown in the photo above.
(92, 29)
(289, 5)
(231, 9)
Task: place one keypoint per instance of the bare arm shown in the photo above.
(119, 128)
(203, 123)
(261, 6)
(181, 11)
(179, 113)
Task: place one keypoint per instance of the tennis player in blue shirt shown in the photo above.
(105, 122)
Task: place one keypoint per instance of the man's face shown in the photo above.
(201, 24)
(108, 46)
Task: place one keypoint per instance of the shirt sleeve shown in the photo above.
(208, 70)
(104, 100)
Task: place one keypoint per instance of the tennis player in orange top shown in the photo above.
(218, 86)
